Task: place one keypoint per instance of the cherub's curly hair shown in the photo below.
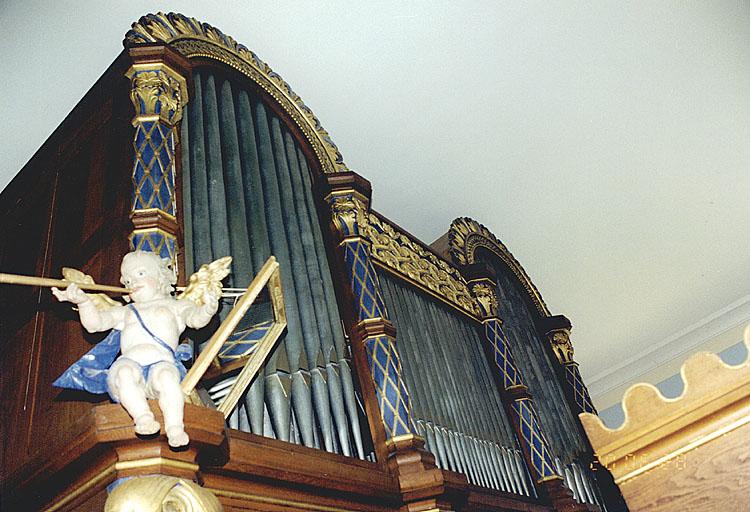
(166, 276)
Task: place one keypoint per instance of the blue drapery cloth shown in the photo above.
(89, 373)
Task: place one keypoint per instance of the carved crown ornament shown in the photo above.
(191, 38)
(398, 252)
(466, 235)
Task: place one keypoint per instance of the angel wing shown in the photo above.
(101, 301)
(206, 281)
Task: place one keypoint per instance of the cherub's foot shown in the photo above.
(146, 425)
(176, 436)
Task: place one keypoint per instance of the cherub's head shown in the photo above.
(147, 275)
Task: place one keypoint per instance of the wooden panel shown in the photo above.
(713, 477)
(68, 207)
(268, 458)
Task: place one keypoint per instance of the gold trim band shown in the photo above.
(109, 470)
(155, 461)
(403, 437)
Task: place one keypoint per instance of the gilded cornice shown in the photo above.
(397, 251)
(466, 235)
(192, 39)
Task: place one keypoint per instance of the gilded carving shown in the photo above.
(157, 92)
(192, 38)
(406, 257)
(157, 493)
(466, 236)
(562, 346)
(486, 297)
(349, 214)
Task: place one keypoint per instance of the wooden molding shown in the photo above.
(660, 437)
(154, 219)
(374, 327)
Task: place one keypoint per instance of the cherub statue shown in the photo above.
(146, 332)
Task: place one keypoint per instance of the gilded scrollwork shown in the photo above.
(486, 297)
(192, 38)
(156, 493)
(562, 346)
(399, 252)
(466, 235)
(158, 92)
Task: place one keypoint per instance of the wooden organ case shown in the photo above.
(410, 377)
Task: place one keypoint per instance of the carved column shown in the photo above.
(517, 397)
(422, 484)
(349, 215)
(159, 93)
(558, 335)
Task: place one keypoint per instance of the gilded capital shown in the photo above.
(484, 292)
(158, 93)
(560, 341)
(349, 214)
(156, 493)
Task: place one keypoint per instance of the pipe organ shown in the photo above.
(409, 377)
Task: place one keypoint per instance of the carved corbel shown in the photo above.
(157, 493)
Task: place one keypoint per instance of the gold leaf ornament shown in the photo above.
(207, 281)
(101, 301)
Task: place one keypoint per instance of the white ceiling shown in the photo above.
(606, 143)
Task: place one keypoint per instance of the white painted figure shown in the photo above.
(150, 329)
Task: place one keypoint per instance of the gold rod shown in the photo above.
(227, 326)
(48, 282)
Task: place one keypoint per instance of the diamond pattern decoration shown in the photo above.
(153, 240)
(579, 389)
(364, 281)
(153, 168)
(503, 357)
(242, 343)
(393, 397)
(533, 439)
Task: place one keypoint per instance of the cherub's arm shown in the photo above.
(92, 318)
(198, 315)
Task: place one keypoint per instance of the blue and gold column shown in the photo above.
(159, 93)
(576, 390)
(349, 215)
(519, 402)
